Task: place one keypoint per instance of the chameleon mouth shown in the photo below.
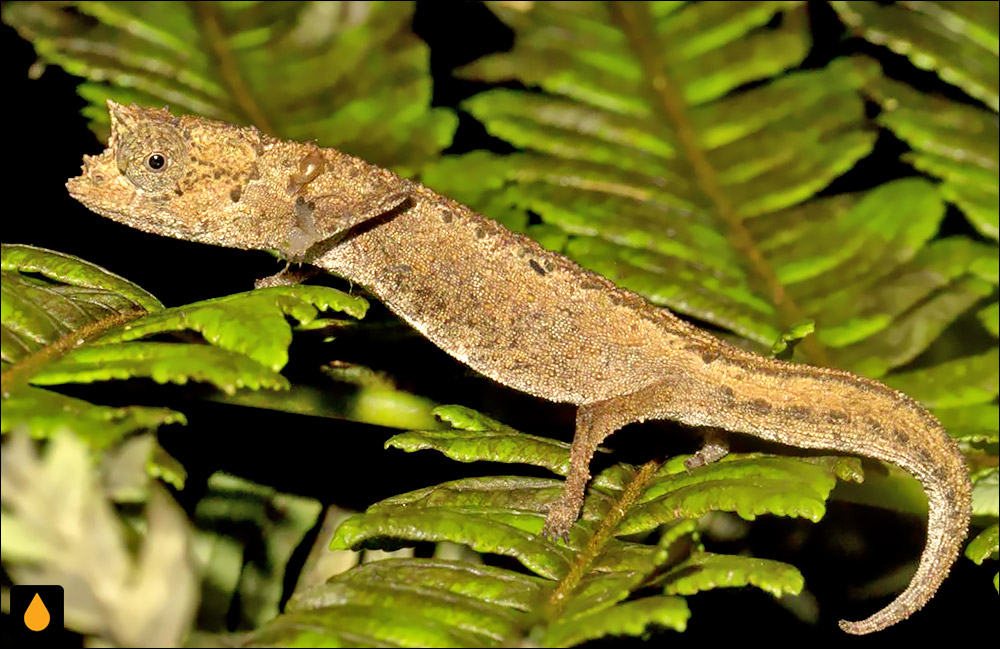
(93, 181)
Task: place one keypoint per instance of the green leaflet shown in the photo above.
(248, 332)
(974, 424)
(705, 571)
(356, 79)
(749, 485)
(42, 413)
(852, 318)
(958, 40)
(986, 492)
(252, 323)
(162, 362)
(963, 381)
(986, 545)
(630, 618)
(954, 142)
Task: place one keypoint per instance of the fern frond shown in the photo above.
(61, 325)
(348, 75)
(577, 591)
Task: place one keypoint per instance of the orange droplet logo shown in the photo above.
(37, 616)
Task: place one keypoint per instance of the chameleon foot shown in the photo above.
(560, 519)
(714, 448)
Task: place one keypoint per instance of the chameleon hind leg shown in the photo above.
(595, 422)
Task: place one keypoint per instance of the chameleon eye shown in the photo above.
(152, 156)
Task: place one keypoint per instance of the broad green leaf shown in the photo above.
(348, 75)
(630, 618)
(978, 424)
(475, 437)
(486, 584)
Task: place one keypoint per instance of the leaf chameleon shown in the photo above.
(524, 316)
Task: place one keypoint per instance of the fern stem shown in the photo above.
(635, 21)
(607, 526)
(211, 23)
(33, 363)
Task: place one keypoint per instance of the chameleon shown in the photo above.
(522, 315)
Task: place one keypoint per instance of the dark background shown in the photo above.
(343, 462)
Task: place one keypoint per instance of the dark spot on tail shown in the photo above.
(900, 436)
(799, 412)
(837, 417)
(536, 267)
(759, 406)
(236, 193)
(727, 395)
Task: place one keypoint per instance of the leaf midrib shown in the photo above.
(634, 20)
(232, 77)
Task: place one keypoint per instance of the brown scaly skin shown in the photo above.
(513, 311)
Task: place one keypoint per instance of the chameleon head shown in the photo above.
(176, 176)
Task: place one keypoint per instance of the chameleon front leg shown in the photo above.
(714, 447)
(287, 276)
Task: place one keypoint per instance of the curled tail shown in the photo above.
(949, 500)
(821, 408)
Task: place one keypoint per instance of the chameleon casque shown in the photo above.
(525, 317)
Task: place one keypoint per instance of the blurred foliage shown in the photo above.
(688, 151)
